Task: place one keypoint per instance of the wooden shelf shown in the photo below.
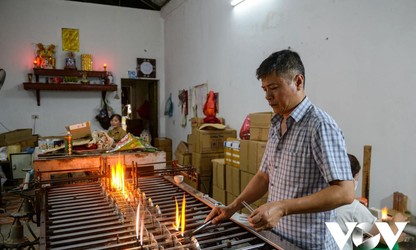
(65, 86)
(68, 87)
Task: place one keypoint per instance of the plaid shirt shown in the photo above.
(303, 161)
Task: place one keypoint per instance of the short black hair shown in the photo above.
(355, 164)
(116, 115)
(285, 63)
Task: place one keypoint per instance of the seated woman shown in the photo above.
(116, 131)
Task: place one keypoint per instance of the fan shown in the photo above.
(2, 77)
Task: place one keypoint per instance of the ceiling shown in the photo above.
(138, 4)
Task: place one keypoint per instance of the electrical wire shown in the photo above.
(4, 126)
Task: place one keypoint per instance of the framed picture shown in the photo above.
(146, 67)
(70, 39)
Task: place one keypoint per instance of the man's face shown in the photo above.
(282, 94)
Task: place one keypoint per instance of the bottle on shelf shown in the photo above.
(68, 143)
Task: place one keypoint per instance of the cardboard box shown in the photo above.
(232, 152)
(191, 142)
(79, 130)
(235, 157)
(32, 142)
(166, 149)
(204, 184)
(163, 142)
(203, 162)
(168, 156)
(218, 173)
(211, 141)
(228, 155)
(182, 154)
(219, 195)
(230, 198)
(255, 155)
(244, 152)
(259, 134)
(245, 178)
(184, 159)
(232, 180)
(260, 119)
(260, 125)
(15, 136)
(182, 148)
(196, 122)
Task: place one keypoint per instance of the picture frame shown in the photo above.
(146, 67)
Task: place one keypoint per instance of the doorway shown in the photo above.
(139, 100)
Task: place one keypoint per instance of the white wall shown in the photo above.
(360, 68)
(113, 35)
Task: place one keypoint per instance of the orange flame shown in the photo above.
(180, 219)
(384, 214)
(177, 222)
(117, 176)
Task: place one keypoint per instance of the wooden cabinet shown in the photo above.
(67, 86)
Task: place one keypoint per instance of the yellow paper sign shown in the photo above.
(70, 39)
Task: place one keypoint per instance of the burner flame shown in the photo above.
(180, 219)
(384, 215)
(117, 176)
(177, 222)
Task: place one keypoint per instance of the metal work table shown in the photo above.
(44, 167)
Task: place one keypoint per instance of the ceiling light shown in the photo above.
(235, 2)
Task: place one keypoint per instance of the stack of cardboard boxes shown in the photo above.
(19, 138)
(242, 159)
(204, 145)
(22, 137)
(164, 144)
(218, 181)
(183, 154)
(208, 144)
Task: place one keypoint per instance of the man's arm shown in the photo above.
(337, 194)
(255, 189)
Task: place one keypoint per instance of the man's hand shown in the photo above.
(267, 216)
(219, 214)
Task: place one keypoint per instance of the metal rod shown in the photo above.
(249, 208)
(200, 228)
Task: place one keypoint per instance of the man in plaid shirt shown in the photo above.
(305, 167)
